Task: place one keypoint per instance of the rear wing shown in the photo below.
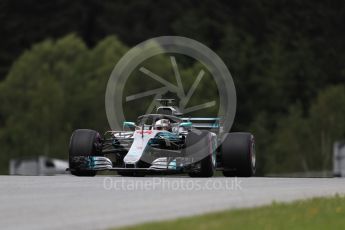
(212, 124)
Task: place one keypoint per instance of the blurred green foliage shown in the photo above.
(54, 88)
(286, 57)
(304, 143)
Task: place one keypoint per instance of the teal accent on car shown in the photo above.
(186, 124)
(91, 162)
(128, 124)
(172, 165)
(168, 135)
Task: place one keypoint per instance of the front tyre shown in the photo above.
(238, 155)
(83, 143)
(199, 145)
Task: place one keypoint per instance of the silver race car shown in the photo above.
(163, 143)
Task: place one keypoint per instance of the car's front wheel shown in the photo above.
(199, 146)
(84, 143)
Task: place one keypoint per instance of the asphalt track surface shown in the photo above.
(67, 202)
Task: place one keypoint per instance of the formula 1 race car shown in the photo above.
(164, 142)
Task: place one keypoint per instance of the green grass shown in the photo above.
(317, 213)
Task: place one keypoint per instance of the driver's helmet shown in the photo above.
(163, 124)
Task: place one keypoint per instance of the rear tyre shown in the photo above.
(199, 145)
(238, 155)
(83, 143)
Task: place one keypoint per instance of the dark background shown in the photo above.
(287, 59)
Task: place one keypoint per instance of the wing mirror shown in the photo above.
(129, 124)
(186, 125)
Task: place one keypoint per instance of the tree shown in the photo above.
(52, 89)
(304, 143)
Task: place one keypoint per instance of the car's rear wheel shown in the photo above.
(199, 146)
(83, 143)
(238, 155)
